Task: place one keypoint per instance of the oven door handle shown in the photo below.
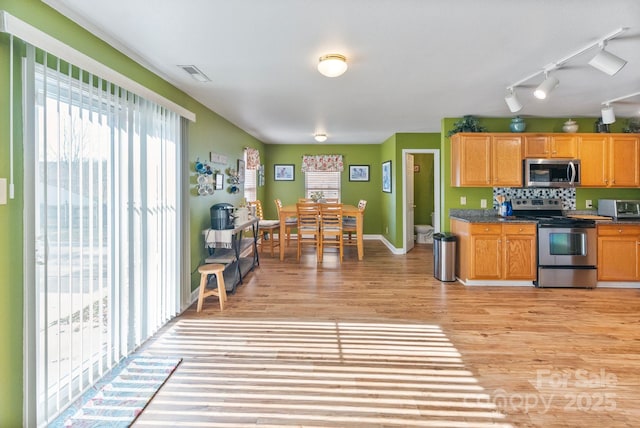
(571, 173)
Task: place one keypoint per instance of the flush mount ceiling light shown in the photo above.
(548, 85)
(320, 138)
(607, 62)
(608, 116)
(332, 65)
(512, 101)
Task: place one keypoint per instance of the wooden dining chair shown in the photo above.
(267, 229)
(349, 225)
(290, 222)
(308, 227)
(331, 234)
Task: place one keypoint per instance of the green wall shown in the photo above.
(209, 133)
(351, 191)
(474, 194)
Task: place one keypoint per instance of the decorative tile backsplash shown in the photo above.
(567, 194)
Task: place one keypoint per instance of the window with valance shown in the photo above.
(252, 157)
(322, 163)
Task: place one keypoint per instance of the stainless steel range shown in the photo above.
(567, 247)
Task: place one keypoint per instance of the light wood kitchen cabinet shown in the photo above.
(609, 160)
(593, 152)
(624, 151)
(618, 252)
(486, 160)
(550, 146)
(495, 251)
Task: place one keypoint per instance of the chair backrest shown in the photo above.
(278, 205)
(258, 205)
(308, 216)
(331, 216)
(306, 201)
(331, 200)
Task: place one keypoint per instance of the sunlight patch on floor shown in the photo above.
(308, 373)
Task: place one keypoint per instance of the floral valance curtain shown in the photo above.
(253, 158)
(322, 163)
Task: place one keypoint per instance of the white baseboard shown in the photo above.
(617, 284)
(496, 283)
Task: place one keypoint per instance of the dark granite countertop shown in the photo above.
(491, 216)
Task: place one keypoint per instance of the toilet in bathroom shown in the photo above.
(424, 233)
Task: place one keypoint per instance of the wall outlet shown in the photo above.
(483, 203)
(588, 203)
(463, 200)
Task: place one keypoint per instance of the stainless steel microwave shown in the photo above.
(551, 172)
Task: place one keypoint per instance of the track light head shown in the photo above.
(512, 101)
(607, 62)
(608, 117)
(549, 83)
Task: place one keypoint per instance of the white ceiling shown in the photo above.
(411, 62)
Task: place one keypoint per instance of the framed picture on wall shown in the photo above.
(358, 172)
(283, 172)
(386, 176)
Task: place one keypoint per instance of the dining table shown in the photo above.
(347, 211)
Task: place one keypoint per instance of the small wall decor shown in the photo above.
(217, 158)
(219, 181)
(204, 179)
(386, 176)
(358, 172)
(261, 175)
(283, 172)
(234, 181)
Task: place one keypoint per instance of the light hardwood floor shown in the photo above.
(381, 343)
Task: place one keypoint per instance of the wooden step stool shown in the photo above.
(221, 292)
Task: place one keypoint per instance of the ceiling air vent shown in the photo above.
(195, 73)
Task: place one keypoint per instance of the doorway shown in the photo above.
(408, 185)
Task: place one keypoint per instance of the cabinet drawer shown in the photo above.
(618, 230)
(486, 228)
(519, 229)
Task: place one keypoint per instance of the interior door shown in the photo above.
(410, 207)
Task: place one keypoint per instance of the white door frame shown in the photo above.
(437, 202)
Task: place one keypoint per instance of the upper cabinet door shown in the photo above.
(623, 166)
(593, 152)
(536, 146)
(564, 146)
(470, 160)
(506, 160)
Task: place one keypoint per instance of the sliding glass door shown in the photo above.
(105, 164)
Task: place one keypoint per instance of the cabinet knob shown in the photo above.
(619, 230)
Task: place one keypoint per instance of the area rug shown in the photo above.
(117, 400)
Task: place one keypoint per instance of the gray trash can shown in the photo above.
(444, 256)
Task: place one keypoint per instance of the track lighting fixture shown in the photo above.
(608, 116)
(512, 101)
(607, 62)
(548, 85)
(604, 61)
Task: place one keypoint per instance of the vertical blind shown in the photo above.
(106, 167)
